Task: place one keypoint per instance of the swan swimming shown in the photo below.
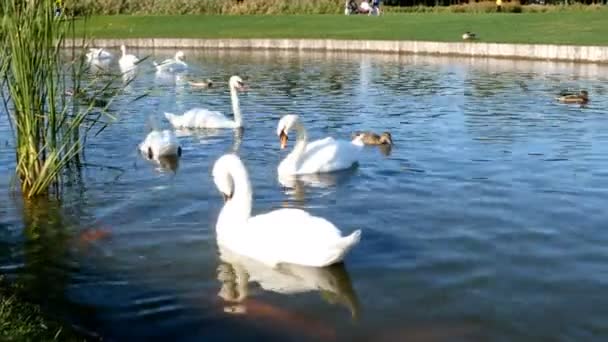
(127, 61)
(205, 118)
(160, 144)
(174, 64)
(280, 236)
(323, 155)
(98, 54)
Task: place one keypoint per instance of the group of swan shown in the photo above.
(157, 144)
(290, 236)
(282, 236)
(128, 62)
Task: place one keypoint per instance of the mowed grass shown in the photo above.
(570, 27)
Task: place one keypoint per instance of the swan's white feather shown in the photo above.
(204, 118)
(171, 65)
(280, 236)
(127, 62)
(161, 143)
(200, 118)
(290, 236)
(98, 54)
(323, 155)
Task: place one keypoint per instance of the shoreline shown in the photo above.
(547, 52)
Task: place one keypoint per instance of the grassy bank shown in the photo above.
(579, 28)
(232, 7)
(23, 321)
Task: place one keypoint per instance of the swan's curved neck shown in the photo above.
(239, 206)
(124, 50)
(301, 141)
(236, 108)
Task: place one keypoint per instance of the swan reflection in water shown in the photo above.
(97, 66)
(177, 79)
(295, 186)
(165, 163)
(207, 135)
(237, 271)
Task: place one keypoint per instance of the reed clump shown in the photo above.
(49, 129)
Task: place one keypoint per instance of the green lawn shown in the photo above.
(571, 27)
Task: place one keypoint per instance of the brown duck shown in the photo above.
(582, 97)
(370, 138)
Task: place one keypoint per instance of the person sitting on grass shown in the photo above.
(351, 7)
(365, 7)
(375, 7)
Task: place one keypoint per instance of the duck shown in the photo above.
(158, 144)
(127, 62)
(319, 156)
(204, 84)
(469, 36)
(95, 101)
(370, 138)
(582, 97)
(174, 64)
(286, 235)
(98, 54)
(205, 118)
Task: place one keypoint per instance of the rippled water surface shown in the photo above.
(486, 221)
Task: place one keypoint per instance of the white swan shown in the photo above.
(204, 118)
(280, 236)
(174, 64)
(323, 155)
(160, 144)
(127, 62)
(98, 54)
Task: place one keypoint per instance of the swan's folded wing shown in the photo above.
(327, 155)
(204, 118)
(290, 235)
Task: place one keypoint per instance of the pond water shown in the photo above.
(486, 220)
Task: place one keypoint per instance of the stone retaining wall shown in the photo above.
(572, 53)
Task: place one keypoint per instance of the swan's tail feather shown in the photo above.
(343, 247)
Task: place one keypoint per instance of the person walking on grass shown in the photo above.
(498, 5)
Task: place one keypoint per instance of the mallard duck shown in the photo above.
(83, 96)
(370, 138)
(582, 97)
(204, 84)
(468, 36)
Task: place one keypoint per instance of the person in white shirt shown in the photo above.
(365, 7)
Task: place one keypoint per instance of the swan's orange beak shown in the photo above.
(283, 138)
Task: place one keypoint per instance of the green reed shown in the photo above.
(49, 128)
